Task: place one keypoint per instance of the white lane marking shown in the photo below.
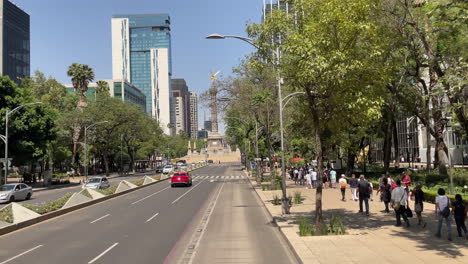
(217, 177)
(102, 217)
(153, 194)
(151, 218)
(211, 180)
(180, 197)
(103, 253)
(206, 224)
(19, 255)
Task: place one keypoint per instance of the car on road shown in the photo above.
(168, 169)
(159, 169)
(97, 183)
(181, 178)
(183, 167)
(181, 162)
(210, 161)
(15, 191)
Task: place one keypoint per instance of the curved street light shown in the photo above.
(5, 137)
(86, 146)
(290, 96)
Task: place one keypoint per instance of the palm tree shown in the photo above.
(81, 75)
(102, 88)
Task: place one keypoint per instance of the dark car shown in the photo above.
(181, 178)
(210, 161)
(159, 169)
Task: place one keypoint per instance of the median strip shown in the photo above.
(19, 255)
(180, 197)
(103, 253)
(102, 217)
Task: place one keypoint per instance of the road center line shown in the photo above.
(19, 255)
(151, 218)
(103, 253)
(102, 217)
(153, 194)
(180, 197)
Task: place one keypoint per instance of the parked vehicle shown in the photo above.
(168, 169)
(97, 183)
(15, 191)
(181, 178)
(159, 169)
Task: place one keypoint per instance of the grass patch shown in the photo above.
(6, 214)
(156, 177)
(305, 227)
(138, 182)
(276, 200)
(86, 193)
(335, 227)
(49, 207)
(108, 191)
(298, 198)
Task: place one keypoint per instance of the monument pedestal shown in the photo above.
(215, 142)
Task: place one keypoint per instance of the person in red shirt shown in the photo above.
(406, 180)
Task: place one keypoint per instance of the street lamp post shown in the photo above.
(285, 202)
(86, 146)
(446, 125)
(5, 137)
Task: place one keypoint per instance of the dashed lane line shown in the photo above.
(152, 217)
(103, 253)
(153, 194)
(102, 217)
(180, 197)
(19, 255)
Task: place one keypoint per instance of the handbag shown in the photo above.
(446, 212)
(408, 212)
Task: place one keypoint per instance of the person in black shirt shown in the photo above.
(419, 205)
(363, 190)
(353, 183)
(459, 213)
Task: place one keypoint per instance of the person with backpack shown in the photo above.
(398, 200)
(343, 185)
(363, 191)
(418, 194)
(353, 183)
(442, 210)
(459, 212)
(385, 191)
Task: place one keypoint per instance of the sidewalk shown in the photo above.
(369, 239)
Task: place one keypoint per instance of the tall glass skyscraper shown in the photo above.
(141, 54)
(14, 41)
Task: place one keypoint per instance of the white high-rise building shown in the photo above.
(193, 115)
(141, 55)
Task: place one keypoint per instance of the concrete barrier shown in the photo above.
(124, 186)
(95, 194)
(148, 180)
(75, 199)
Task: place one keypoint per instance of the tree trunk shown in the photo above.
(106, 164)
(350, 162)
(428, 150)
(395, 140)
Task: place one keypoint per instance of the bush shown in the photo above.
(49, 207)
(6, 214)
(109, 191)
(157, 177)
(59, 182)
(276, 200)
(305, 227)
(14, 175)
(59, 175)
(336, 226)
(298, 198)
(138, 182)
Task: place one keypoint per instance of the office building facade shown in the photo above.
(120, 89)
(141, 55)
(193, 116)
(14, 41)
(181, 100)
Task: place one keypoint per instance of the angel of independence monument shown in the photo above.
(215, 140)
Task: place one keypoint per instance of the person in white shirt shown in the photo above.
(441, 203)
(343, 184)
(399, 199)
(313, 176)
(308, 181)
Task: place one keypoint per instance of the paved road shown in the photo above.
(54, 194)
(153, 225)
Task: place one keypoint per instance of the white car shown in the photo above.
(168, 169)
(96, 183)
(15, 191)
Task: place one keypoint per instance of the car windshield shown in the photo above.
(168, 167)
(94, 180)
(6, 188)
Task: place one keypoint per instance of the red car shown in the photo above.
(181, 178)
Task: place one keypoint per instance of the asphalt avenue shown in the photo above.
(159, 224)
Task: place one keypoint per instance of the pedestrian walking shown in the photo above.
(301, 176)
(313, 175)
(353, 183)
(325, 178)
(333, 178)
(371, 195)
(385, 191)
(391, 182)
(363, 190)
(459, 212)
(442, 210)
(418, 194)
(296, 175)
(406, 181)
(399, 200)
(343, 185)
(308, 181)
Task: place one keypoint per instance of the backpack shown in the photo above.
(446, 212)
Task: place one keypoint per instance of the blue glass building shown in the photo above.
(14, 41)
(141, 54)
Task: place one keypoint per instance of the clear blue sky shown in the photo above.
(67, 31)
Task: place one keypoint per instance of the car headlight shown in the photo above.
(3, 195)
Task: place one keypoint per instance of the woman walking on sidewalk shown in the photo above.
(459, 212)
(385, 193)
(353, 183)
(442, 210)
(419, 205)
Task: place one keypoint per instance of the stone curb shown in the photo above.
(293, 250)
(44, 217)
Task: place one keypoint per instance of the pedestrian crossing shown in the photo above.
(218, 177)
